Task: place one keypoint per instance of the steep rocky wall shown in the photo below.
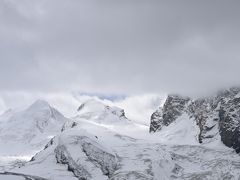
(173, 108)
(219, 114)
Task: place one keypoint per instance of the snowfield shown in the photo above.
(100, 143)
(24, 133)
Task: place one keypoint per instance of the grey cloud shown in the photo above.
(118, 46)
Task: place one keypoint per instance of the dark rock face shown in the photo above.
(156, 120)
(230, 121)
(90, 151)
(219, 114)
(174, 107)
(205, 113)
(64, 157)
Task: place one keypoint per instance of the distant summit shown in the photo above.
(39, 104)
(97, 111)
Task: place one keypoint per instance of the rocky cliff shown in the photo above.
(218, 115)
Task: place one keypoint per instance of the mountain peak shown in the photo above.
(91, 105)
(40, 104)
(32, 125)
(98, 111)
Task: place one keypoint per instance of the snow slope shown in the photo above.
(28, 131)
(182, 131)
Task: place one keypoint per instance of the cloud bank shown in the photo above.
(120, 47)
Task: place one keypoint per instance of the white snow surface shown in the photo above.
(182, 131)
(99, 143)
(23, 133)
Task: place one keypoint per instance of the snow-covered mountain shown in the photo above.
(211, 119)
(96, 111)
(29, 130)
(101, 143)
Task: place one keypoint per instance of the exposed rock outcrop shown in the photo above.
(229, 114)
(216, 115)
(81, 153)
(174, 107)
(156, 120)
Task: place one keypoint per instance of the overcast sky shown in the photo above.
(119, 46)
